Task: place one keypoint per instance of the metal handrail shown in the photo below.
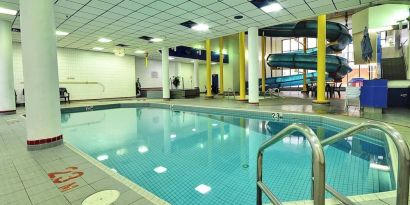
(272, 92)
(402, 149)
(318, 164)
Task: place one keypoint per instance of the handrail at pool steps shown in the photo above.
(402, 149)
(318, 161)
(318, 164)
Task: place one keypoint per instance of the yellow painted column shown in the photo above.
(221, 66)
(304, 70)
(208, 68)
(263, 63)
(242, 89)
(321, 60)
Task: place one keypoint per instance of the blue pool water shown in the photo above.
(178, 155)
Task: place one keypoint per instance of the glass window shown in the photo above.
(312, 43)
(286, 72)
(294, 44)
(286, 46)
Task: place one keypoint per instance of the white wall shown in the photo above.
(115, 76)
(151, 76)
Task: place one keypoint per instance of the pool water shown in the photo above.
(190, 158)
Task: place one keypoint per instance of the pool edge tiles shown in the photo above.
(132, 185)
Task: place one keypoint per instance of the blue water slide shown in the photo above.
(336, 33)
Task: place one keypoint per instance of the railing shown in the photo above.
(402, 149)
(318, 164)
(272, 92)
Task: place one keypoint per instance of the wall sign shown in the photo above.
(277, 116)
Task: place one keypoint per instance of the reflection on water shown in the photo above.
(190, 158)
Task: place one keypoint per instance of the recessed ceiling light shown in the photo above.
(203, 189)
(121, 151)
(7, 11)
(142, 149)
(139, 51)
(379, 167)
(102, 157)
(155, 40)
(200, 27)
(61, 33)
(272, 7)
(98, 48)
(171, 58)
(104, 40)
(160, 169)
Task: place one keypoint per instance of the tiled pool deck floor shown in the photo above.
(24, 175)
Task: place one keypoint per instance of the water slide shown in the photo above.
(336, 67)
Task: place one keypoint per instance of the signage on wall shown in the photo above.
(154, 74)
(277, 116)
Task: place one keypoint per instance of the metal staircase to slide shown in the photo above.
(318, 162)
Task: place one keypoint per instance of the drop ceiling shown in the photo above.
(124, 21)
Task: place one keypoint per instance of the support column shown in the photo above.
(196, 82)
(7, 98)
(165, 74)
(208, 69)
(221, 66)
(321, 60)
(263, 83)
(253, 66)
(242, 89)
(39, 52)
(304, 90)
(408, 50)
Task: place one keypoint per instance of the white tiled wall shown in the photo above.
(151, 76)
(86, 74)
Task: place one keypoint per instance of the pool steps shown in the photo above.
(318, 162)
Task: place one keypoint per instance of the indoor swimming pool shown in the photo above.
(198, 158)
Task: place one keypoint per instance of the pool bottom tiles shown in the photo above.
(191, 158)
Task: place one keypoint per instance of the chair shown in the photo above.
(352, 93)
(338, 90)
(64, 94)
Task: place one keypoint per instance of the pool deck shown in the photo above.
(24, 175)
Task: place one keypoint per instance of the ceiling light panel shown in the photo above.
(88, 22)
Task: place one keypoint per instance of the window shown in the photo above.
(383, 37)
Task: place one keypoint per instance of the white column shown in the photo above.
(196, 82)
(165, 74)
(166, 124)
(7, 99)
(39, 51)
(253, 64)
(408, 52)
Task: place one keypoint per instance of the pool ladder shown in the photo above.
(318, 162)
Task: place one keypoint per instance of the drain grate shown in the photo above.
(105, 197)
